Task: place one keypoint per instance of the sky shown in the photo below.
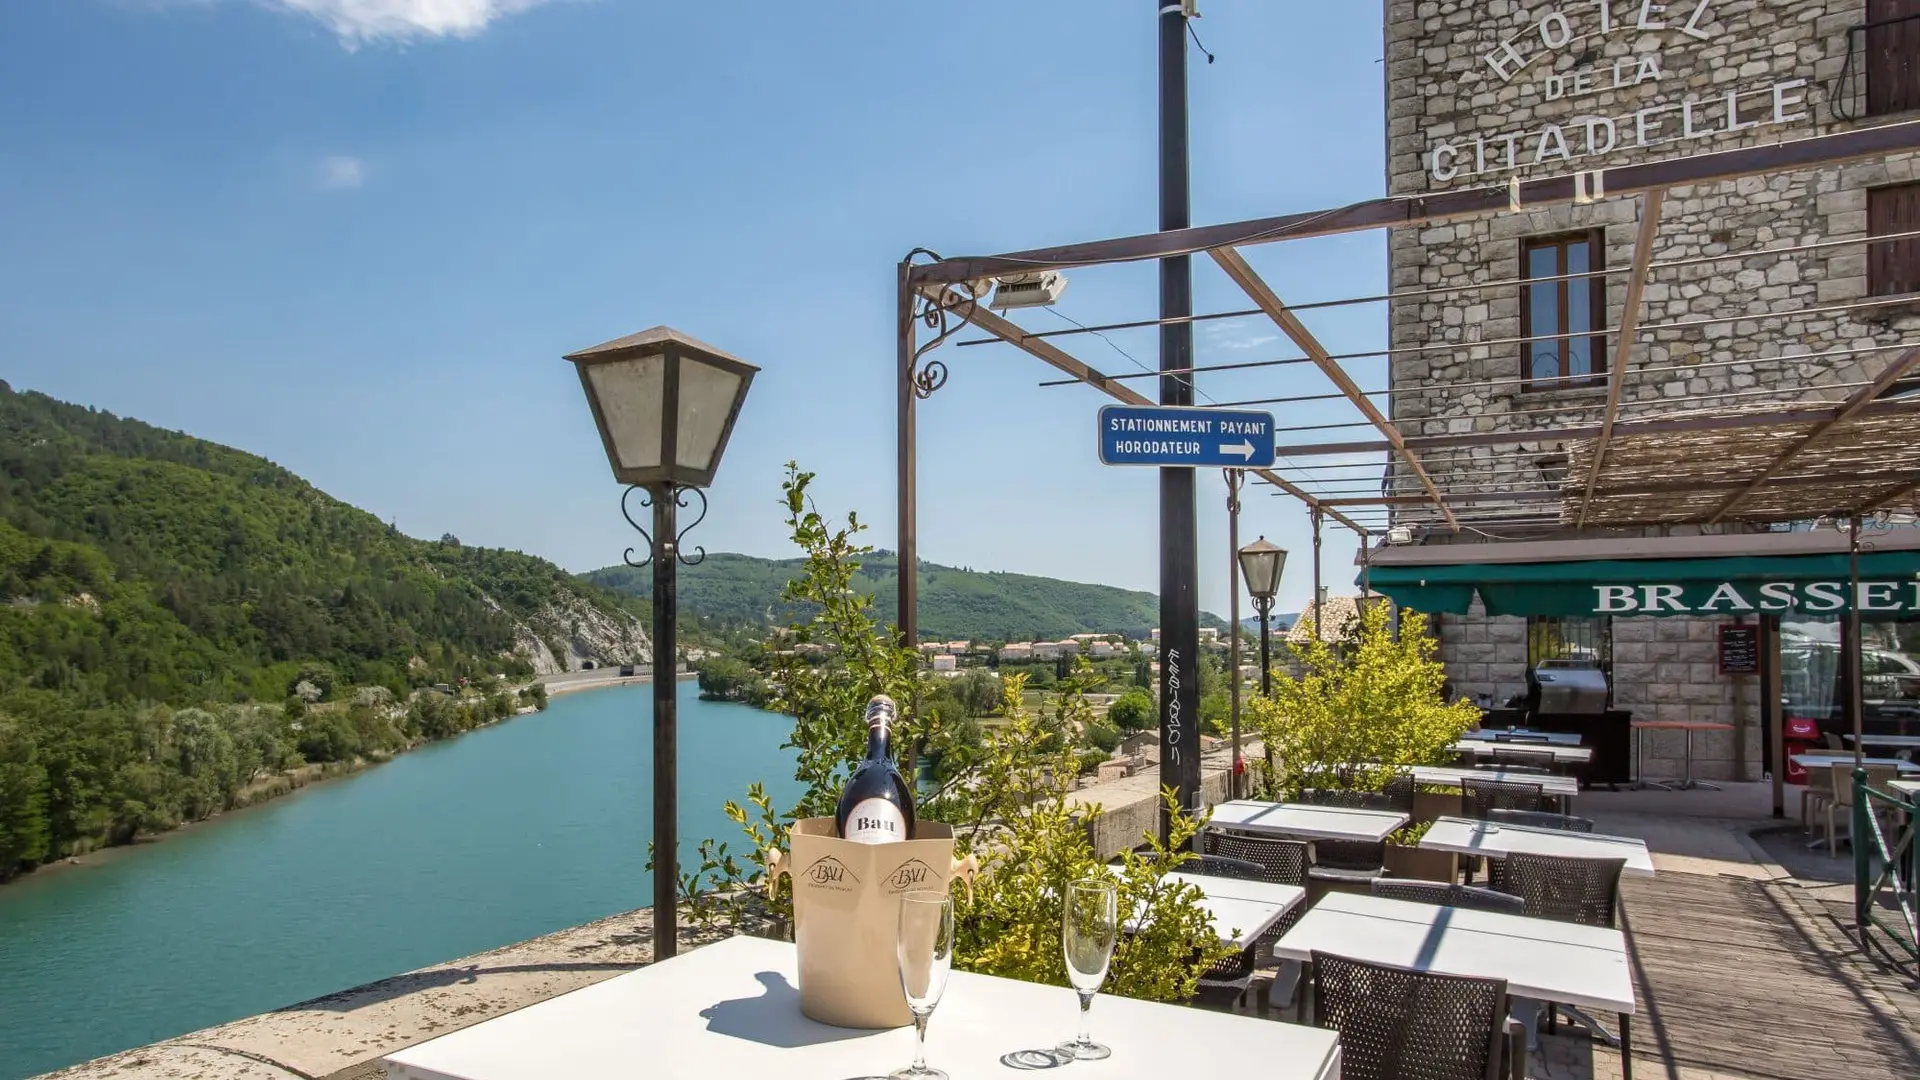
(357, 236)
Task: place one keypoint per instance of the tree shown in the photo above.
(1133, 712)
(23, 800)
(979, 691)
(1362, 711)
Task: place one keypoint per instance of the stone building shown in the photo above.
(1480, 92)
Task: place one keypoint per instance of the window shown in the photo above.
(1558, 312)
(1577, 637)
(1892, 56)
(1893, 268)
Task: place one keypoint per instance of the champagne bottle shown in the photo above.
(877, 806)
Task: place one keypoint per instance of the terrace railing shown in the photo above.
(1886, 852)
(1881, 73)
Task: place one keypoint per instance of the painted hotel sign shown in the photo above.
(1578, 28)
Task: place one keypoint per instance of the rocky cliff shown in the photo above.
(569, 633)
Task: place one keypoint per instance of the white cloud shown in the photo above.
(1224, 335)
(342, 173)
(366, 22)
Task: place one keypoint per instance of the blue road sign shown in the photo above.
(1202, 438)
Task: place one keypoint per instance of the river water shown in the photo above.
(500, 835)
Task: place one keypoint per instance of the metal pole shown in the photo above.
(1266, 666)
(666, 610)
(905, 468)
(1855, 688)
(1179, 544)
(1317, 635)
(1233, 623)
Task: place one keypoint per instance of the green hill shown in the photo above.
(744, 591)
(154, 585)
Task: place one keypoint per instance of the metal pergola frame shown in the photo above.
(941, 296)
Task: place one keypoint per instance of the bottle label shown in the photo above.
(876, 821)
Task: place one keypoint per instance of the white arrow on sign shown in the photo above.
(1242, 448)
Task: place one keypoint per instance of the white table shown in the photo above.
(1826, 761)
(1239, 910)
(1497, 840)
(1583, 966)
(1568, 755)
(1565, 787)
(732, 1010)
(1304, 822)
(1909, 788)
(1897, 742)
(1553, 738)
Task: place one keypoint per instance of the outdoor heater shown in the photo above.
(665, 405)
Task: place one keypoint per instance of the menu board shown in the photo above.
(1739, 649)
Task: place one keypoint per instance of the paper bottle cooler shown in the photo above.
(846, 913)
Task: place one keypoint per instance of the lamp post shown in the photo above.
(665, 405)
(1261, 563)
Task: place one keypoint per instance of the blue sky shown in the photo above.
(356, 236)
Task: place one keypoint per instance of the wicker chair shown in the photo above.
(1399, 792)
(1348, 860)
(1509, 737)
(1541, 820)
(1396, 1023)
(1542, 760)
(1564, 889)
(1442, 894)
(1225, 984)
(1281, 861)
(1347, 798)
(1485, 795)
(1223, 866)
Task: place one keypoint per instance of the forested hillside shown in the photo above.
(744, 591)
(151, 583)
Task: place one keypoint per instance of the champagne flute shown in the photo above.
(925, 951)
(1090, 925)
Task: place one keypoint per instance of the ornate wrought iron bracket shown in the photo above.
(945, 315)
(672, 546)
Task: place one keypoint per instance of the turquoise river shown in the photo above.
(503, 834)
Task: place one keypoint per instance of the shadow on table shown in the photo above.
(773, 1018)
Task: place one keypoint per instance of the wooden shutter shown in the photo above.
(1892, 56)
(1893, 269)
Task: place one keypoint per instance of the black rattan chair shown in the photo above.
(1509, 737)
(1222, 866)
(1399, 793)
(1542, 760)
(1485, 795)
(1541, 820)
(1397, 1023)
(1284, 862)
(1348, 860)
(1225, 984)
(1348, 798)
(1564, 889)
(1443, 894)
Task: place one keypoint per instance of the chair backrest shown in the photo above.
(1281, 861)
(1223, 866)
(1512, 738)
(1564, 889)
(1534, 759)
(1350, 854)
(1832, 740)
(1841, 777)
(1396, 1023)
(1448, 895)
(1399, 792)
(1540, 819)
(1485, 795)
(1348, 798)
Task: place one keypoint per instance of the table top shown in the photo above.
(1826, 761)
(1240, 910)
(1683, 725)
(1570, 754)
(732, 1009)
(1498, 840)
(1585, 966)
(1307, 822)
(1909, 788)
(1554, 738)
(1903, 742)
(1550, 784)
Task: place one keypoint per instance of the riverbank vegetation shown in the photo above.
(1001, 785)
(180, 619)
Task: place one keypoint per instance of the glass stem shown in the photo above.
(1086, 1009)
(920, 1041)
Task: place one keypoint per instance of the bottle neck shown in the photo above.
(878, 745)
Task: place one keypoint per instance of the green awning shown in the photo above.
(1731, 585)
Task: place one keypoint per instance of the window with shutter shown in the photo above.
(1892, 56)
(1893, 267)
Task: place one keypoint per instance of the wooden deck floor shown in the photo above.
(1736, 978)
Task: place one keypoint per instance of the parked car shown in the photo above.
(626, 671)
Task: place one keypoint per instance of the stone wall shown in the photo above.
(1577, 96)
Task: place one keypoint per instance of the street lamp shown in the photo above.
(665, 405)
(1261, 563)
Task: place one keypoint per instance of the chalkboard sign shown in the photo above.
(1739, 649)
